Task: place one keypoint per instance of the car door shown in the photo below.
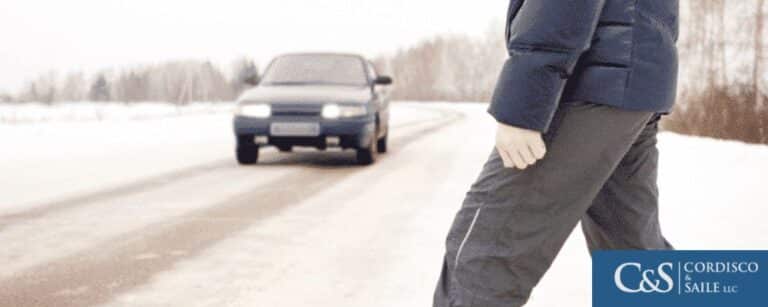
(380, 99)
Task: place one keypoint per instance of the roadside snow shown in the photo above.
(25, 113)
(713, 192)
(51, 161)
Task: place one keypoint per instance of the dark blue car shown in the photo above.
(318, 100)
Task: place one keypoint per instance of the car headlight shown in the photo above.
(338, 111)
(255, 110)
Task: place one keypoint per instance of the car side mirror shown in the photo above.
(383, 80)
(252, 80)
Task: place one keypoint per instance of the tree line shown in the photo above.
(722, 88)
(447, 68)
(178, 82)
(724, 79)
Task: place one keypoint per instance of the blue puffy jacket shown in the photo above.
(615, 52)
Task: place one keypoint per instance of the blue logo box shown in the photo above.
(680, 278)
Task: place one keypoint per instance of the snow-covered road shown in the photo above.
(155, 212)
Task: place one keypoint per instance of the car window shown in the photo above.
(372, 75)
(316, 69)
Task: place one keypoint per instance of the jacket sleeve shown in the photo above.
(545, 39)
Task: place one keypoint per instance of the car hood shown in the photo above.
(306, 93)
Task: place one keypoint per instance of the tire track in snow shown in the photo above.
(99, 273)
(154, 182)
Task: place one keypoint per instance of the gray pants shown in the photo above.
(600, 169)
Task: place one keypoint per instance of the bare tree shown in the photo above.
(100, 89)
(757, 66)
(448, 68)
(244, 71)
(73, 87)
(5, 97)
(29, 93)
(45, 88)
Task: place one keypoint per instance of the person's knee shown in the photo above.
(493, 278)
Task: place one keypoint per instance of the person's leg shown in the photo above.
(625, 214)
(513, 223)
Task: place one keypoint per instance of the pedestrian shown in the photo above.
(578, 104)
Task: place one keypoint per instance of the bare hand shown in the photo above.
(519, 147)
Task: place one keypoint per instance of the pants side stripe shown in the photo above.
(466, 236)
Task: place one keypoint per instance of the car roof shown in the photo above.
(323, 54)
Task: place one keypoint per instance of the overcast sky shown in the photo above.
(85, 35)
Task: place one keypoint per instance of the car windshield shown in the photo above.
(316, 69)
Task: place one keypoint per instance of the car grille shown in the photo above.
(297, 109)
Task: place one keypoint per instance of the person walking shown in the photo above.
(577, 104)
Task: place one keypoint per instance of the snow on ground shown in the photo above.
(375, 238)
(62, 157)
(298, 259)
(24, 113)
(713, 192)
(51, 161)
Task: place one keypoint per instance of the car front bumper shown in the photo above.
(344, 132)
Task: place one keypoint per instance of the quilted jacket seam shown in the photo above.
(631, 68)
(535, 47)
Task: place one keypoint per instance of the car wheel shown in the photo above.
(366, 156)
(381, 144)
(248, 155)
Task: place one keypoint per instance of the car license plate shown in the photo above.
(294, 129)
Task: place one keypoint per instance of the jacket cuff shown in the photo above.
(529, 88)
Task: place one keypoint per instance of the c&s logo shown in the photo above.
(645, 280)
(679, 278)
